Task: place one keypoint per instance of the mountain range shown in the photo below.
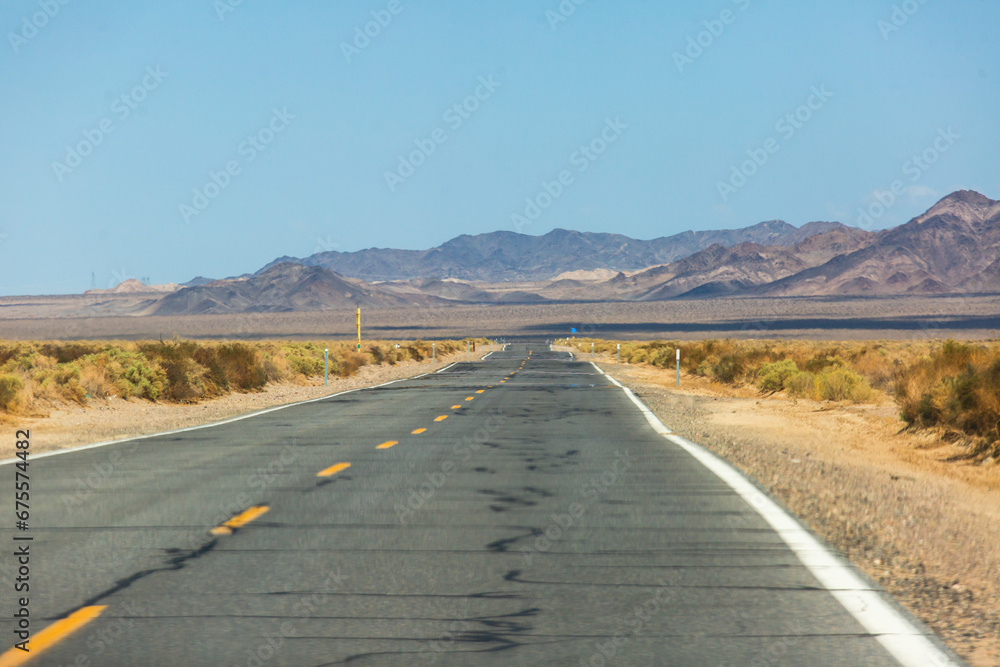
(952, 248)
(509, 256)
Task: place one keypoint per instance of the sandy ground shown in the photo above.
(906, 508)
(113, 419)
(815, 318)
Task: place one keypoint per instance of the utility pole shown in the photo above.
(359, 328)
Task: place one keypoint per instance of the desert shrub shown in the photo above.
(416, 350)
(956, 387)
(308, 366)
(96, 384)
(729, 368)
(801, 385)
(772, 376)
(121, 371)
(638, 356)
(22, 361)
(241, 365)
(823, 361)
(350, 362)
(67, 352)
(185, 377)
(841, 385)
(664, 358)
(10, 387)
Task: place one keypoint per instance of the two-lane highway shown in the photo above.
(520, 510)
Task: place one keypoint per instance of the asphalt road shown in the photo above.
(542, 521)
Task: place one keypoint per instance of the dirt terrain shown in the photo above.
(46, 318)
(905, 507)
(68, 425)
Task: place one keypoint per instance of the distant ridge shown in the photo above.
(508, 256)
(953, 248)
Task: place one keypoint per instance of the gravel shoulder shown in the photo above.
(70, 425)
(903, 507)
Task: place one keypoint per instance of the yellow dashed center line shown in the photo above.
(480, 391)
(387, 444)
(52, 635)
(240, 520)
(333, 470)
(470, 398)
(441, 418)
(418, 431)
(455, 407)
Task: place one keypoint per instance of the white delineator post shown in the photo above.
(678, 367)
(619, 352)
(326, 366)
(433, 352)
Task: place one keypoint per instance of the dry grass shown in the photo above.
(941, 384)
(33, 374)
(956, 387)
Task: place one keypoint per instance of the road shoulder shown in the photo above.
(921, 526)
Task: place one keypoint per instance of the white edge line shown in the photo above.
(907, 644)
(486, 355)
(275, 408)
(646, 412)
(442, 370)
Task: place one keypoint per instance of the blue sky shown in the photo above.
(168, 140)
